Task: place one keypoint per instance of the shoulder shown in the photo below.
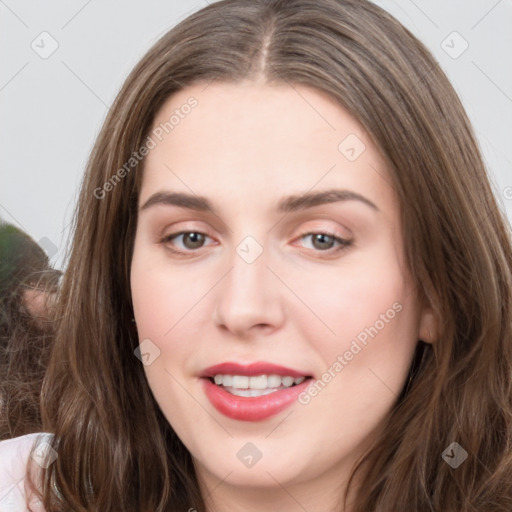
(14, 457)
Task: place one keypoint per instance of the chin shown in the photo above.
(255, 462)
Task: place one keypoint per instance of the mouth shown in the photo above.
(252, 392)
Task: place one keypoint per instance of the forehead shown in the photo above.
(247, 138)
(248, 115)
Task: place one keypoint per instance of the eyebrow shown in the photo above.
(286, 205)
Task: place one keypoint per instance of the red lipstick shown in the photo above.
(257, 408)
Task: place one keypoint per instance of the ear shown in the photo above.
(428, 326)
(428, 323)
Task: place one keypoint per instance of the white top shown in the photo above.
(14, 456)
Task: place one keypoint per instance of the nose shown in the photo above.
(248, 299)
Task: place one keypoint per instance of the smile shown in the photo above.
(243, 385)
(254, 392)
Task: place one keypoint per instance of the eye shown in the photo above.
(191, 240)
(324, 242)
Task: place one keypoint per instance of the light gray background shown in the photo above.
(52, 108)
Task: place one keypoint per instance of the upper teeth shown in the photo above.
(257, 382)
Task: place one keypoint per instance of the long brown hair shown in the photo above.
(116, 449)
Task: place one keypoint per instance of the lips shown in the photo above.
(252, 392)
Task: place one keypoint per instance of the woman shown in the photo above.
(287, 221)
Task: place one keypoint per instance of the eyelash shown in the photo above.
(343, 243)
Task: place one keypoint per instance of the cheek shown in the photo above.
(161, 300)
(171, 312)
(366, 328)
(161, 294)
(348, 299)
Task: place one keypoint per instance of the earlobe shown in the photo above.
(428, 331)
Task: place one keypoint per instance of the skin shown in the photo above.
(38, 304)
(300, 304)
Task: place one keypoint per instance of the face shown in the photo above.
(299, 294)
